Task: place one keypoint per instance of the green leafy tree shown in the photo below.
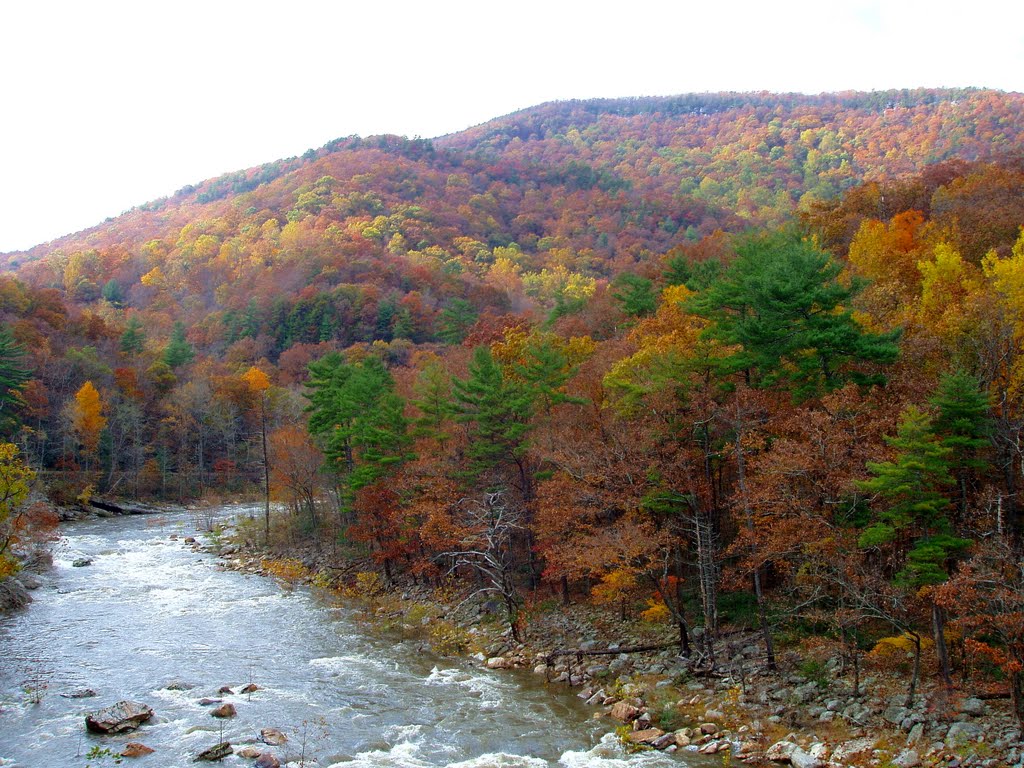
(178, 351)
(781, 305)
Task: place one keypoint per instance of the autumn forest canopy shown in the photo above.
(715, 357)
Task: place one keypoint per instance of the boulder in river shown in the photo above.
(136, 749)
(267, 760)
(81, 562)
(250, 688)
(272, 736)
(225, 710)
(179, 685)
(225, 689)
(118, 718)
(78, 693)
(216, 752)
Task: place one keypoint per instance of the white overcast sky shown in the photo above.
(106, 105)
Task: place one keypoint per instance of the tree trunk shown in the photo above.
(1017, 695)
(762, 617)
(941, 650)
(762, 612)
(266, 468)
(565, 589)
(917, 669)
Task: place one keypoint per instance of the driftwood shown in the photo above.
(122, 507)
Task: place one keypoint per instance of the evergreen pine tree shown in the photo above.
(963, 424)
(178, 351)
(912, 507)
(133, 340)
(498, 412)
(782, 305)
(13, 375)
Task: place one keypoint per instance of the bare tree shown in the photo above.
(487, 527)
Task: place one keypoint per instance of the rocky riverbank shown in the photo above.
(806, 714)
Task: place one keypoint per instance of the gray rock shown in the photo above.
(118, 718)
(267, 760)
(13, 595)
(798, 758)
(895, 715)
(908, 758)
(29, 580)
(916, 734)
(78, 693)
(81, 562)
(973, 707)
(962, 733)
(780, 751)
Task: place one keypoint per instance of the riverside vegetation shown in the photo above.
(760, 388)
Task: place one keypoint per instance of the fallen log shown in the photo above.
(123, 507)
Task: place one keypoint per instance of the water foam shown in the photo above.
(609, 753)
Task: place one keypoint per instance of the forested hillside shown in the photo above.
(671, 354)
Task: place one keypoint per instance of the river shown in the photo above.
(151, 611)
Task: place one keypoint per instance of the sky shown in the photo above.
(105, 105)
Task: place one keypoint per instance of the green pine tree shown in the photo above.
(782, 305)
(636, 294)
(133, 340)
(13, 375)
(497, 411)
(964, 425)
(433, 391)
(455, 321)
(912, 508)
(178, 351)
(358, 418)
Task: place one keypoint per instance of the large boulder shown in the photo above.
(13, 595)
(962, 733)
(118, 718)
(272, 736)
(225, 710)
(624, 711)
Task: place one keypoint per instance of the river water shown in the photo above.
(150, 611)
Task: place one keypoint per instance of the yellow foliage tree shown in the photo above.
(15, 479)
(87, 419)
